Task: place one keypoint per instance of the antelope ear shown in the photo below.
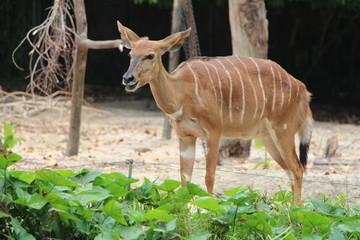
(128, 37)
(175, 41)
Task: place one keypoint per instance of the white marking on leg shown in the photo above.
(261, 86)
(188, 152)
(211, 80)
(274, 87)
(252, 85)
(186, 177)
(176, 115)
(285, 126)
(220, 89)
(230, 89)
(274, 137)
(196, 79)
(242, 90)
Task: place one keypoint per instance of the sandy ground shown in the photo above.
(115, 131)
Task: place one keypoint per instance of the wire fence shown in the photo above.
(133, 164)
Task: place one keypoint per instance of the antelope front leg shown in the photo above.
(211, 162)
(187, 156)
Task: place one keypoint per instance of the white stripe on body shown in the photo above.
(282, 92)
(252, 85)
(274, 87)
(288, 77)
(230, 90)
(196, 85)
(242, 89)
(212, 82)
(297, 86)
(221, 95)
(261, 86)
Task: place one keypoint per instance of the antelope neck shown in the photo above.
(166, 92)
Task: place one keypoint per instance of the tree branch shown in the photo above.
(91, 44)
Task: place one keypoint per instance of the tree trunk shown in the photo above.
(249, 28)
(173, 59)
(249, 35)
(78, 79)
(79, 68)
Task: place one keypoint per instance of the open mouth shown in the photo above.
(132, 86)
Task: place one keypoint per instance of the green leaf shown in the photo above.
(283, 196)
(56, 199)
(3, 162)
(55, 178)
(183, 195)
(310, 220)
(232, 191)
(131, 233)
(95, 195)
(258, 144)
(170, 226)
(20, 232)
(159, 214)
(242, 197)
(117, 189)
(7, 130)
(199, 236)
(208, 203)
(64, 214)
(3, 215)
(327, 208)
(35, 201)
(6, 161)
(168, 185)
(313, 237)
(336, 234)
(113, 209)
(13, 158)
(196, 190)
(27, 177)
(65, 173)
(349, 227)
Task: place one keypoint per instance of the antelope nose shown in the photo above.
(127, 78)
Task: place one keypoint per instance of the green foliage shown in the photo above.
(8, 141)
(265, 163)
(63, 204)
(92, 205)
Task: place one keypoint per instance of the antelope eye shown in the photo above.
(150, 56)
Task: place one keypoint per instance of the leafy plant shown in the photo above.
(8, 141)
(7, 158)
(63, 204)
(265, 163)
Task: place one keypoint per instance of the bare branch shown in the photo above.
(90, 44)
(53, 46)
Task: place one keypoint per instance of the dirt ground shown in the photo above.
(118, 130)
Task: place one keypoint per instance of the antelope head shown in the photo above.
(145, 63)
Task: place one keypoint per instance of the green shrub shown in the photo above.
(63, 204)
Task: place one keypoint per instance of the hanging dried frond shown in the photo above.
(52, 44)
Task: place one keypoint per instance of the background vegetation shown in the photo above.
(315, 40)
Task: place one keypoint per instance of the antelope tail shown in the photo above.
(305, 137)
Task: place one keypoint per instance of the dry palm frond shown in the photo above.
(52, 44)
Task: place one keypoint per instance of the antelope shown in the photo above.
(224, 97)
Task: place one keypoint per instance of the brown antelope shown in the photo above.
(224, 97)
